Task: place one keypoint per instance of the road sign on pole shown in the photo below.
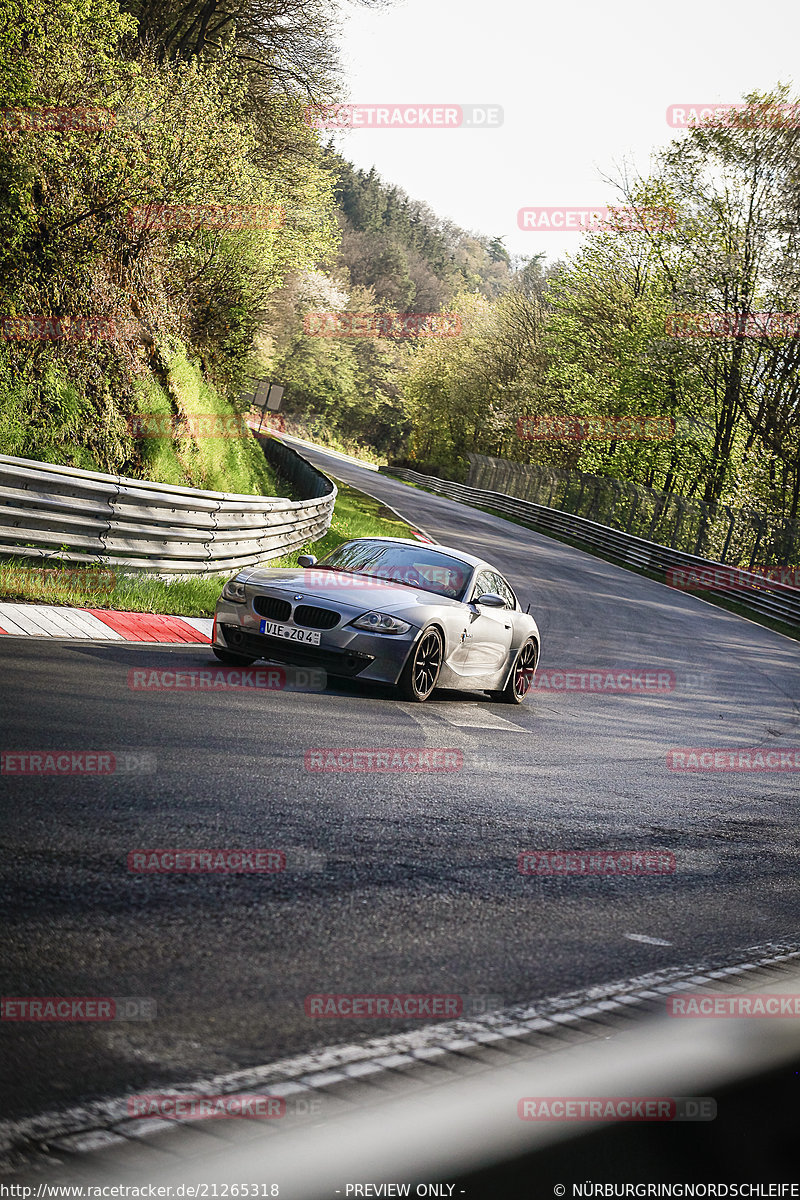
(264, 395)
(260, 399)
(248, 393)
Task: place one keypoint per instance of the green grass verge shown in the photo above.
(740, 610)
(59, 582)
(216, 463)
(53, 423)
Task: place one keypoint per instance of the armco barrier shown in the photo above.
(777, 600)
(83, 516)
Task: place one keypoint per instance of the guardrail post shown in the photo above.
(760, 525)
(702, 527)
(731, 522)
(634, 494)
(657, 509)
(681, 508)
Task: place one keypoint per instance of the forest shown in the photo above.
(173, 223)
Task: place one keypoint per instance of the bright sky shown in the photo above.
(584, 90)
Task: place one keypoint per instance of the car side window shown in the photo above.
(484, 582)
(502, 589)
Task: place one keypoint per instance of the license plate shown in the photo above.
(276, 629)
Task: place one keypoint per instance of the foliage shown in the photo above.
(395, 256)
(208, 104)
(601, 331)
(82, 233)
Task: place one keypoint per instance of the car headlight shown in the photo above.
(234, 590)
(375, 622)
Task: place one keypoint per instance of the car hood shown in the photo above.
(315, 583)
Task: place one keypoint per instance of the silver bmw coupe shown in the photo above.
(387, 610)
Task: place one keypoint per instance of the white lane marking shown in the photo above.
(460, 716)
(650, 941)
(478, 718)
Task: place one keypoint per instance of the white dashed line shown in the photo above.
(475, 718)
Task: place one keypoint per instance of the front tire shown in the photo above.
(230, 659)
(521, 679)
(422, 668)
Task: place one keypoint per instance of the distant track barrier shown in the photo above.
(752, 589)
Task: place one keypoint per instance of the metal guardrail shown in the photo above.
(770, 598)
(47, 510)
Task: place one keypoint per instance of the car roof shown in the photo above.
(469, 559)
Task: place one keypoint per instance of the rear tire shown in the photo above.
(521, 679)
(422, 668)
(230, 659)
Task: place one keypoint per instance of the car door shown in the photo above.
(489, 630)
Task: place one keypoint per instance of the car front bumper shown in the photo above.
(343, 651)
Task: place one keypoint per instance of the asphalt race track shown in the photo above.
(403, 882)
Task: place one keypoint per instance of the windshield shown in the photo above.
(417, 566)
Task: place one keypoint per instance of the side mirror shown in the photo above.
(307, 560)
(491, 600)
